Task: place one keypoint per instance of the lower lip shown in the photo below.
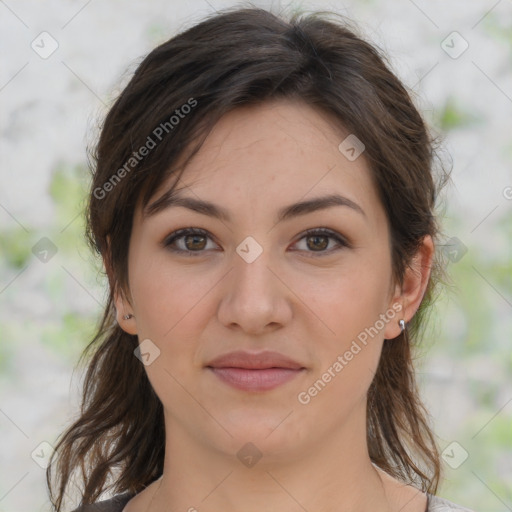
(255, 380)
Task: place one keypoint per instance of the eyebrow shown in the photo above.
(173, 199)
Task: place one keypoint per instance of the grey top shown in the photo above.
(118, 502)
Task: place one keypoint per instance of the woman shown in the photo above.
(263, 200)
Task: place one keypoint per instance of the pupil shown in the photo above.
(195, 238)
(316, 238)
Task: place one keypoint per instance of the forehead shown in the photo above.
(264, 137)
(272, 154)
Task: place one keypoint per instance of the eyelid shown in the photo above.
(181, 233)
(342, 240)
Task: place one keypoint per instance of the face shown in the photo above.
(314, 284)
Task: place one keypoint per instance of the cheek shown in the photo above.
(346, 329)
(170, 307)
(166, 297)
(344, 302)
(346, 360)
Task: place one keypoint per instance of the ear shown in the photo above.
(124, 312)
(410, 294)
(121, 302)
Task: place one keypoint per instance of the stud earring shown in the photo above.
(128, 316)
(401, 323)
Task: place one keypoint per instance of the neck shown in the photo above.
(335, 476)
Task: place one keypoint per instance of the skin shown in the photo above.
(299, 297)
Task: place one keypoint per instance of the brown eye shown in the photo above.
(318, 242)
(194, 242)
(187, 241)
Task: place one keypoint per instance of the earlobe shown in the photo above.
(414, 285)
(125, 318)
(124, 315)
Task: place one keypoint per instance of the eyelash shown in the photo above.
(182, 233)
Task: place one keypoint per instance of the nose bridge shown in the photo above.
(253, 297)
(252, 276)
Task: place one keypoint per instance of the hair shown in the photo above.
(239, 57)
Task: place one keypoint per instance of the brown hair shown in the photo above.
(237, 57)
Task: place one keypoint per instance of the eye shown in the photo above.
(318, 239)
(194, 241)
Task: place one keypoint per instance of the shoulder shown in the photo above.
(115, 504)
(438, 504)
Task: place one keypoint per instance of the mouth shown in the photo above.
(260, 371)
(263, 379)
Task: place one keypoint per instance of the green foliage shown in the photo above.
(15, 247)
(498, 29)
(68, 189)
(68, 186)
(6, 349)
(473, 329)
(453, 115)
(69, 335)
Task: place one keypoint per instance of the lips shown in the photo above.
(254, 361)
(255, 371)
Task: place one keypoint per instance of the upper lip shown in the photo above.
(254, 361)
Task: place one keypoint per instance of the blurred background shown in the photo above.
(64, 62)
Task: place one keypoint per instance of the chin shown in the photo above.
(269, 432)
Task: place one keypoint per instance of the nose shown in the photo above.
(255, 298)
